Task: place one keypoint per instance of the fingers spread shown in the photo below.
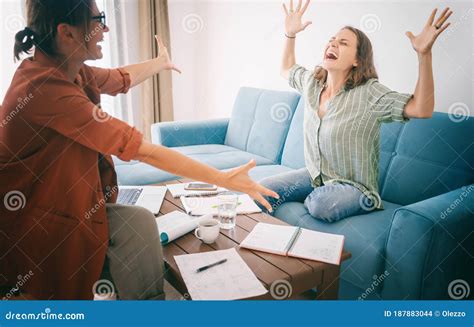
(305, 7)
(298, 7)
(257, 196)
(285, 9)
(432, 16)
(443, 19)
(441, 30)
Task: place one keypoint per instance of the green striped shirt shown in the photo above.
(344, 146)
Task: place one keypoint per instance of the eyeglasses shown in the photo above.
(100, 19)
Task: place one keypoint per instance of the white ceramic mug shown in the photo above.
(208, 230)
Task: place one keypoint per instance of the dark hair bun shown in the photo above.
(24, 41)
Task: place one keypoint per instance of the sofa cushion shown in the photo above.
(260, 172)
(436, 153)
(260, 121)
(216, 155)
(365, 237)
(293, 151)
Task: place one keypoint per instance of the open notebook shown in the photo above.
(199, 206)
(295, 242)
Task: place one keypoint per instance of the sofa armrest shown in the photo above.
(430, 244)
(182, 133)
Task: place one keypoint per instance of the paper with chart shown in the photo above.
(178, 190)
(318, 246)
(198, 206)
(269, 238)
(231, 280)
(175, 224)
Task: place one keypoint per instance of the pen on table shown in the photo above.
(211, 265)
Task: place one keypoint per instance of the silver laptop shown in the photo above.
(148, 197)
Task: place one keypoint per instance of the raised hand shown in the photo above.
(293, 21)
(423, 42)
(164, 57)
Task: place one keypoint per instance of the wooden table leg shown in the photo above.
(329, 288)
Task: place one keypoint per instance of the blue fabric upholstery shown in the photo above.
(182, 133)
(260, 116)
(423, 238)
(437, 153)
(430, 244)
(365, 238)
(216, 155)
(293, 152)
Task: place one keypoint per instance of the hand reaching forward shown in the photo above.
(164, 57)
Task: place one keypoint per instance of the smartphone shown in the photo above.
(197, 186)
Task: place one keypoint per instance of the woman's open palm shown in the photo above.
(164, 56)
(293, 21)
(423, 42)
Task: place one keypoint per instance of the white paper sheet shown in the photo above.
(198, 206)
(231, 280)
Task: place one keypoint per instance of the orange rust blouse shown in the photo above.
(56, 174)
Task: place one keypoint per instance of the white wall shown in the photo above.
(223, 45)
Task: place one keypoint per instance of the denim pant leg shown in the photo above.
(290, 186)
(334, 202)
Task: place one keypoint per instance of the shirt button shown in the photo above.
(394, 154)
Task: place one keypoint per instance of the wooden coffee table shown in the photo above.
(270, 269)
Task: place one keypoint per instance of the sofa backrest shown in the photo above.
(430, 157)
(260, 121)
(418, 160)
(293, 152)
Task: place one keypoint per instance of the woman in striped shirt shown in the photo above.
(344, 107)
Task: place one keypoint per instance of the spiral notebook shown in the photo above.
(178, 190)
(296, 242)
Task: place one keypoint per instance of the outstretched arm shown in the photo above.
(422, 103)
(144, 70)
(176, 163)
(293, 25)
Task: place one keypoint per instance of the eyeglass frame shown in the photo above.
(101, 19)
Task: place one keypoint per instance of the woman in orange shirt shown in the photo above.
(55, 159)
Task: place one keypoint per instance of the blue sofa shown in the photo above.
(413, 249)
